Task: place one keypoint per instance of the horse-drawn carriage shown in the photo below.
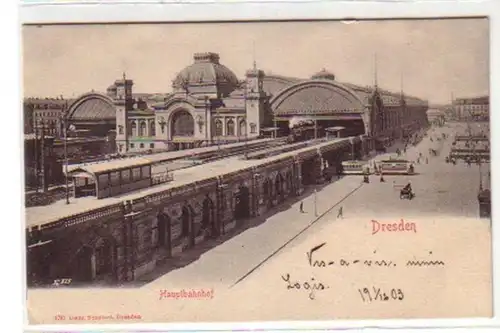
(406, 193)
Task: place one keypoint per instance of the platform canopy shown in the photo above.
(270, 129)
(95, 169)
(335, 128)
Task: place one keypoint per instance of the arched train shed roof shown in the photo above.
(92, 107)
(316, 96)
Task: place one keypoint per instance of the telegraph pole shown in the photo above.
(42, 159)
(65, 124)
(37, 157)
(315, 202)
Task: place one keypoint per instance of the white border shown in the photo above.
(182, 11)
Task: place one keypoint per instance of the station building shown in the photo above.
(208, 104)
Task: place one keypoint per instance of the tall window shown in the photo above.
(126, 176)
(115, 178)
(120, 129)
(230, 128)
(136, 174)
(152, 129)
(218, 127)
(145, 172)
(243, 128)
(253, 128)
(133, 129)
(142, 128)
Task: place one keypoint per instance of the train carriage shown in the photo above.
(396, 167)
(355, 167)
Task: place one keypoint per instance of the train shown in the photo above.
(356, 167)
(396, 167)
(305, 132)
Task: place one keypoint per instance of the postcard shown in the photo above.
(257, 171)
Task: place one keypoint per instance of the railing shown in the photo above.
(45, 198)
(84, 217)
(163, 178)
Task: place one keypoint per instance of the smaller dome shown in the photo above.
(323, 75)
(112, 88)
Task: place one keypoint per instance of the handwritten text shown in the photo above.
(368, 262)
(369, 295)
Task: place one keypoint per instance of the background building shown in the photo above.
(436, 116)
(42, 168)
(44, 111)
(475, 108)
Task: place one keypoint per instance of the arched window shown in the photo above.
(182, 124)
(218, 127)
(152, 128)
(133, 129)
(243, 128)
(120, 129)
(230, 127)
(253, 128)
(142, 128)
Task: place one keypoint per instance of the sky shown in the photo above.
(431, 59)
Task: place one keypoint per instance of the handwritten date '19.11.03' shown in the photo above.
(377, 294)
(312, 286)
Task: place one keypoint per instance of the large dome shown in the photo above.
(206, 70)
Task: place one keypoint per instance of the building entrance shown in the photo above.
(242, 203)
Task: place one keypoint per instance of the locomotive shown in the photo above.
(303, 131)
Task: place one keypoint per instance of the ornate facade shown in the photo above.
(209, 105)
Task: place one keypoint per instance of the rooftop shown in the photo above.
(105, 166)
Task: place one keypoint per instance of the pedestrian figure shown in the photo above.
(301, 206)
(426, 160)
(340, 213)
(382, 180)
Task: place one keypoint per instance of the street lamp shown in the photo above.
(315, 202)
(220, 205)
(256, 200)
(480, 175)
